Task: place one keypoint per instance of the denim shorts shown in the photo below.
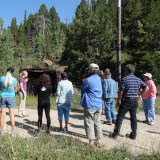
(8, 102)
(63, 109)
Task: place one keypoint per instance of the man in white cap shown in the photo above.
(91, 91)
(149, 99)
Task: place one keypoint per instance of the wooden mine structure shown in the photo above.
(35, 72)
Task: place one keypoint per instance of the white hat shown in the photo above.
(93, 66)
(148, 75)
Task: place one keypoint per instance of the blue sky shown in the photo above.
(16, 8)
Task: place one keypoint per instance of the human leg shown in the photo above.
(107, 102)
(123, 109)
(97, 125)
(60, 115)
(3, 115)
(113, 114)
(145, 109)
(89, 125)
(40, 114)
(20, 110)
(47, 112)
(66, 113)
(151, 110)
(11, 115)
(133, 119)
(24, 105)
(11, 104)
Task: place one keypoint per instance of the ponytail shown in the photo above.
(8, 80)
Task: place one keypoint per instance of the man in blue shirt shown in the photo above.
(92, 102)
(129, 92)
(109, 95)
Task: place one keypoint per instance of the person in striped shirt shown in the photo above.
(129, 92)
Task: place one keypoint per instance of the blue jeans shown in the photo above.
(149, 109)
(8, 102)
(109, 109)
(63, 109)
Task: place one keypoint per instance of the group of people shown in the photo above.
(96, 90)
(64, 100)
(9, 87)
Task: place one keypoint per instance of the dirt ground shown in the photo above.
(147, 141)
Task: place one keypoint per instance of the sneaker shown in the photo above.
(112, 135)
(98, 142)
(108, 123)
(145, 121)
(13, 132)
(25, 115)
(60, 129)
(66, 129)
(114, 121)
(21, 116)
(91, 144)
(150, 123)
(131, 137)
(1, 131)
(36, 131)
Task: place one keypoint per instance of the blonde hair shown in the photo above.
(8, 80)
(23, 73)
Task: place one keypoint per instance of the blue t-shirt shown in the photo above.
(7, 92)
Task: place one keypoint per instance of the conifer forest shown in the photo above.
(90, 37)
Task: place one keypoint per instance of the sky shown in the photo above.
(16, 8)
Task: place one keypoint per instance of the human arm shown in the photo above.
(144, 88)
(27, 79)
(58, 89)
(143, 91)
(22, 89)
(120, 93)
(84, 86)
(72, 90)
(15, 88)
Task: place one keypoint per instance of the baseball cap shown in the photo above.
(148, 75)
(107, 73)
(93, 67)
(11, 70)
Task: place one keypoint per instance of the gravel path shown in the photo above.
(147, 141)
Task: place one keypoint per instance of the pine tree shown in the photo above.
(7, 48)
(14, 27)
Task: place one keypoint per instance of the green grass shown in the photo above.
(60, 148)
(31, 102)
(46, 147)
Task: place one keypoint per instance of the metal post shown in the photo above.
(88, 4)
(119, 41)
